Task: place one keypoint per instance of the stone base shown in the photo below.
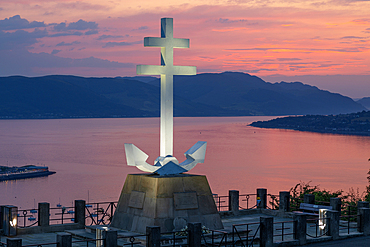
(169, 202)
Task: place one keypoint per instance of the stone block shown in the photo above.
(168, 199)
(149, 185)
(212, 221)
(169, 185)
(164, 208)
(136, 199)
(181, 213)
(207, 200)
(149, 204)
(198, 184)
(185, 200)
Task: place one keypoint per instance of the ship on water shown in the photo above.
(21, 172)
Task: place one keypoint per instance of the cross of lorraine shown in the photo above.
(166, 164)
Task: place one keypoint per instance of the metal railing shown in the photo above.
(174, 238)
(241, 236)
(27, 218)
(97, 242)
(218, 238)
(100, 213)
(40, 245)
(132, 240)
(249, 199)
(272, 201)
(283, 229)
(61, 215)
(321, 227)
(246, 201)
(348, 218)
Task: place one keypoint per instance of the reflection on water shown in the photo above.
(88, 156)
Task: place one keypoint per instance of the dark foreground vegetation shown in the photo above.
(352, 124)
(350, 199)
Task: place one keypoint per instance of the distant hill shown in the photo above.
(365, 102)
(352, 124)
(221, 94)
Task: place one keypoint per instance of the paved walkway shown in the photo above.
(349, 242)
(242, 224)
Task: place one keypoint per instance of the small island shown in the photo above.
(348, 124)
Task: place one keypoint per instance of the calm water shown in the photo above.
(89, 159)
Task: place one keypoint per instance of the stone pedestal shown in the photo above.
(169, 202)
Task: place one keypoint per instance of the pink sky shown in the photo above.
(309, 41)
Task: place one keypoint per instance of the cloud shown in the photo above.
(16, 22)
(362, 21)
(82, 25)
(112, 44)
(303, 50)
(20, 62)
(226, 20)
(66, 34)
(79, 25)
(104, 36)
(352, 37)
(140, 28)
(68, 44)
(84, 6)
(91, 32)
(20, 39)
(288, 59)
(55, 51)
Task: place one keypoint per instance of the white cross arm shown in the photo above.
(161, 42)
(184, 70)
(150, 69)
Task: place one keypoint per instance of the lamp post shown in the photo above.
(9, 220)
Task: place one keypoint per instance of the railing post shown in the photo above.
(80, 212)
(309, 198)
(363, 222)
(333, 227)
(195, 234)
(284, 201)
(110, 238)
(261, 198)
(14, 242)
(44, 214)
(300, 228)
(153, 236)
(266, 231)
(234, 201)
(362, 204)
(9, 220)
(336, 204)
(64, 239)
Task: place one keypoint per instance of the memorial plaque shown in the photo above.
(185, 200)
(136, 199)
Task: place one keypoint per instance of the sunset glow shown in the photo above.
(264, 38)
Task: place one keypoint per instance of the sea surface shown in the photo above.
(90, 163)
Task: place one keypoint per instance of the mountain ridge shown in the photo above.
(207, 94)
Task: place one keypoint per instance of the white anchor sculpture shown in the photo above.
(166, 164)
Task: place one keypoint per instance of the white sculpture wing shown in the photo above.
(194, 155)
(136, 157)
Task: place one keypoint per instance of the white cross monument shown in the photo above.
(166, 164)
